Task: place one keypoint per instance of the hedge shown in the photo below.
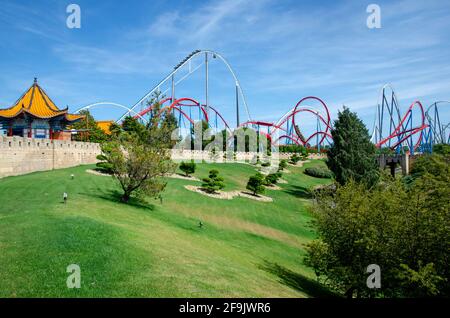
(319, 172)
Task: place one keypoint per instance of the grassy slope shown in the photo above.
(246, 248)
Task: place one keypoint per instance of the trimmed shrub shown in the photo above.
(295, 158)
(213, 183)
(188, 167)
(256, 184)
(271, 178)
(282, 165)
(319, 172)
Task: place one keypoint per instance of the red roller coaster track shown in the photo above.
(178, 104)
(290, 127)
(401, 133)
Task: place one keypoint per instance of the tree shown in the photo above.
(352, 155)
(164, 119)
(272, 178)
(403, 229)
(213, 183)
(187, 167)
(244, 139)
(256, 184)
(201, 134)
(139, 156)
(295, 158)
(131, 124)
(88, 129)
(442, 149)
(282, 165)
(432, 164)
(137, 165)
(115, 129)
(292, 148)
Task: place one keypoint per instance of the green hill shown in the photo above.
(245, 248)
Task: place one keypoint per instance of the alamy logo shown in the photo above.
(74, 279)
(374, 279)
(73, 21)
(374, 19)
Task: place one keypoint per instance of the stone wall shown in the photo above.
(179, 155)
(20, 155)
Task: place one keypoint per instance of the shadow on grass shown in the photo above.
(189, 224)
(299, 192)
(115, 196)
(298, 281)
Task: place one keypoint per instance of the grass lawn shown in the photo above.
(246, 248)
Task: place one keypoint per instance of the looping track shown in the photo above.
(287, 128)
(415, 130)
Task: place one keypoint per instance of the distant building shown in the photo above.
(105, 125)
(34, 115)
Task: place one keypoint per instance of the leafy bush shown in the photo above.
(282, 165)
(403, 229)
(442, 149)
(256, 184)
(319, 172)
(104, 166)
(295, 158)
(291, 148)
(188, 167)
(385, 151)
(213, 183)
(272, 178)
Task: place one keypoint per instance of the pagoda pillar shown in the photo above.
(30, 135)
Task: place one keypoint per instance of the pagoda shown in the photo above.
(34, 115)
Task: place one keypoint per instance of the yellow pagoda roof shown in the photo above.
(37, 103)
(105, 125)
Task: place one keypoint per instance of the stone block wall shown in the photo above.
(180, 155)
(20, 155)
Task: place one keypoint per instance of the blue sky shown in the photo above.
(280, 50)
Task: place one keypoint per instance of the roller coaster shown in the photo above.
(288, 128)
(416, 130)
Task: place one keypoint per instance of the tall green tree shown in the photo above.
(139, 155)
(131, 124)
(442, 149)
(89, 131)
(138, 164)
(164, 119)
(352, 155)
